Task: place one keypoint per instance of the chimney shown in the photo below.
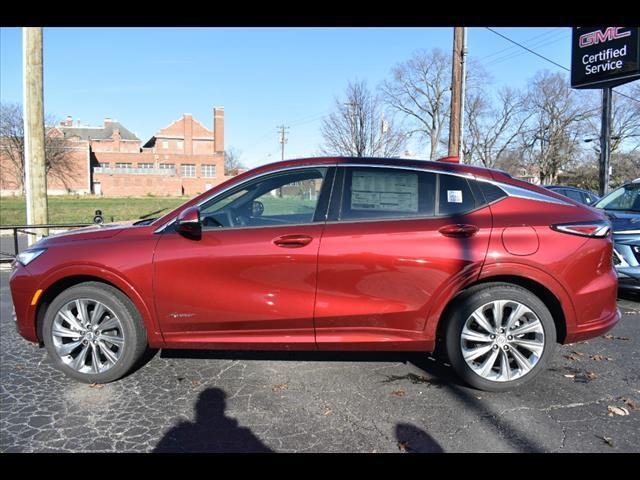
(69, 121)
(107, 120)
(218, 129)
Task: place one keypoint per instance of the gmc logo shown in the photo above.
(593, 38)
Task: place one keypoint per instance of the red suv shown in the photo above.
(331, 254)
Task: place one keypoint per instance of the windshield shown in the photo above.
(625, 198)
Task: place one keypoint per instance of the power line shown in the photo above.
(549, 60)
(528, 49)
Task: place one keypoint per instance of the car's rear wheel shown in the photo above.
(93, 333)
(499, 336)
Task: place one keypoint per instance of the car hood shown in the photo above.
(624, 221)
(96, 232)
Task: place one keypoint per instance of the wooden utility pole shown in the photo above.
(456, 92)
(34, 157)
(283, 139)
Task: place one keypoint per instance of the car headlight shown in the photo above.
(28, 256)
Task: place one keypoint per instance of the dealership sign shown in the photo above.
(604, 56)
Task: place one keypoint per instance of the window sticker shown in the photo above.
(388, 191)
(454, 196)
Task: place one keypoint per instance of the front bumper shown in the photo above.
(23, 286)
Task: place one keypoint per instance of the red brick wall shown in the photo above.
(118, 185)
(75, 179)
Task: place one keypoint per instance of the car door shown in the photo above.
(251, 277)
(395, 239)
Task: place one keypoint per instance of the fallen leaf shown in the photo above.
(607, 440)
(569, 375)
(19, 367)
(96, 385)
(611, 337)
(571, 357)
(195, 382)
(398, 393)
(580, 354)
(600, 358)
(328, 412)
(403, 446)
(621, 411)
(629, 403)
(279, 387)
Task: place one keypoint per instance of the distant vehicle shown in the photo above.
(578, 194)
(622, 206)
(331, 254)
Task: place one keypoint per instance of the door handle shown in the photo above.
(292, 241)
(458, 230)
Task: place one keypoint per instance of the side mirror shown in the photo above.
(188, 223)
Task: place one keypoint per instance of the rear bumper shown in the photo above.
(589, 330)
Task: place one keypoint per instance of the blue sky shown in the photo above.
(264, 77)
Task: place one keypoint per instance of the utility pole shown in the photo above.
(456, 92)
(463, 89)
(34, 156)
(605, 142)
(283, 139)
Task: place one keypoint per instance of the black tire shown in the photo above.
(134, 332)
(462, 308)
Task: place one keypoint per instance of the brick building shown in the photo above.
(184, 158)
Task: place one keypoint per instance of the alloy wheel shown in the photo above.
(87, 336)
(502, 340)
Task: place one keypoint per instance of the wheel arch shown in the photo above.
(63, 281)
(547, 296)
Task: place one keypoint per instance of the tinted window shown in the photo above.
(491, 192)
(371, 193)
(575, 195)
(455, 195)
(278, 199)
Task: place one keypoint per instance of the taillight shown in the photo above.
(597, 229)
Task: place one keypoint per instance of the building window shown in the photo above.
(104, 165)
(167, 166)
(145, 165)
(188, 170)
(180, 144)
(165, 144)
(123, 165)
(208, 170)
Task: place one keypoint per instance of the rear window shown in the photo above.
(455, 195)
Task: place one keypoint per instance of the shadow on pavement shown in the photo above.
(212, 431)
(415, 440)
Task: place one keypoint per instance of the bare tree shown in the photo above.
(625, 122)
(358, 128)
(490, 131)
(555, 130)
(232, 162)
(420, 90)
(58, 160)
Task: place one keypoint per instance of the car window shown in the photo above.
(373, 193)
(626, 198)
(574, 195)
(455, 195)
(277, 199)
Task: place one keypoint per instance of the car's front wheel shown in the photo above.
(499, 336)
(93, 333)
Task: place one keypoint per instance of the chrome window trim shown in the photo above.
(509, 190)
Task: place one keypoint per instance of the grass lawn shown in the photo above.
(72, 209)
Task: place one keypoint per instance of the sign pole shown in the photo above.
(605, 141)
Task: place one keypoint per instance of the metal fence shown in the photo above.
(26, 229)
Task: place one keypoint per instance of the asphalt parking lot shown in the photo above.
(321, 402)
